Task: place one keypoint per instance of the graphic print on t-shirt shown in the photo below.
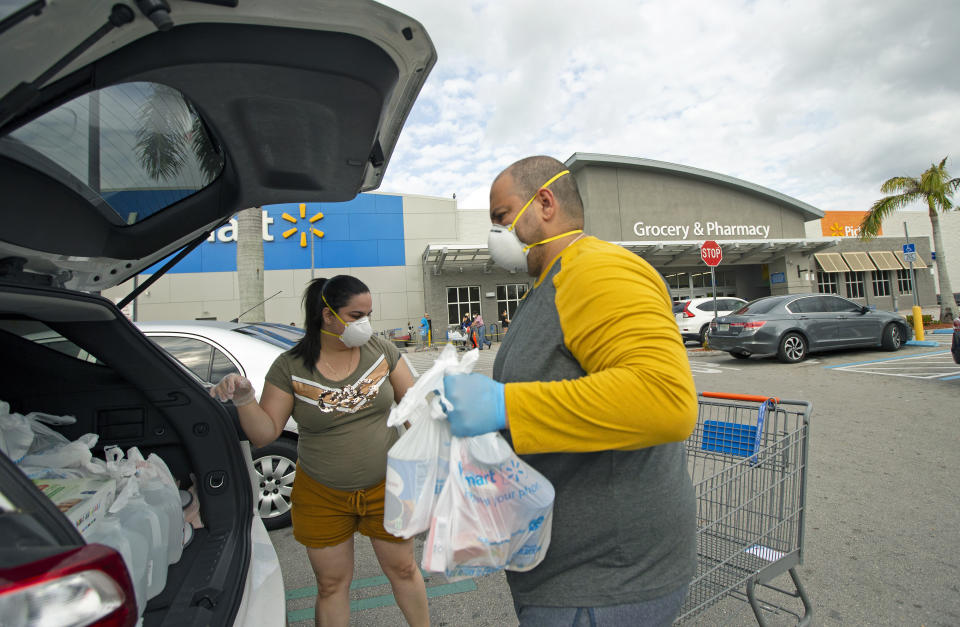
(347, 399)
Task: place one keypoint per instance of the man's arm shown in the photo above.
(638, 390)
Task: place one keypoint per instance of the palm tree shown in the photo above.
(169, 132)
(935, 188)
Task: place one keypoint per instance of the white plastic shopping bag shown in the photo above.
(495, 512)
(417, 463)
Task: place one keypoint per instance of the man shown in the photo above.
(594, 386)
(504, 320)
(481, 332)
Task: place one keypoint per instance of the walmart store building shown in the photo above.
(422, 254)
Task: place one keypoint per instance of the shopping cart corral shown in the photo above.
(748, 461)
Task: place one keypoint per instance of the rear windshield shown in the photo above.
(759, 306)
(132, 149)
(277, 334)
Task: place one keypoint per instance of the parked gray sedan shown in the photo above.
(794, 325)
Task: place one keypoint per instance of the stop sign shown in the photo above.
(711, 253)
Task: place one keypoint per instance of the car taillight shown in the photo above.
(84, 586)
(686, 310)
(756, 324)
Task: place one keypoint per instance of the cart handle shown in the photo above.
(741, 397)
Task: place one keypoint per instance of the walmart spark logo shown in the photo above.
(835, 229)
(513, 470)
(303, 234)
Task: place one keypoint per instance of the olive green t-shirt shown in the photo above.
(344, 437)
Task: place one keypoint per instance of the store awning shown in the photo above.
(658, 254)
(885, 260)
(831, 262)
(906, 264)
(859, 262)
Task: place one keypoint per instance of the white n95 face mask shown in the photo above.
(357, 333)
(506, 249)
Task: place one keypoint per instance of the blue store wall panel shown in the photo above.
(364, 232)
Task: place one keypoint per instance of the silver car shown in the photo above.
(212, 349)
(795, 325)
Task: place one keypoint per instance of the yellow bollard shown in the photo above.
(917, 323)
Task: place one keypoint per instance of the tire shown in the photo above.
(276, 467)
(703, 334)
(740, 355)
(793, 348)
(892, 337)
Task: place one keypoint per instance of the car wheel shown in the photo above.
(703, 333)
(276, 467)
(793, 348)
(740, 355)
(892, 338)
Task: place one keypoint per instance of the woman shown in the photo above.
(338, 383)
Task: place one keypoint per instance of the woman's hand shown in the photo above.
(236, 388)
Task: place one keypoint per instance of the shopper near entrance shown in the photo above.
(504, 320)
(424, 337)
(481, 332)
(595, 391)
(338, 383)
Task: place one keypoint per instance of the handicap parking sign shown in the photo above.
(909, 253)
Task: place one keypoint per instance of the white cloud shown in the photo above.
(817, 99)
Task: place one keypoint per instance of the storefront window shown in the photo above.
(509, 297)
(854, 283)
(903, 282)
(827, 282)
(462, 300)
(881, 283)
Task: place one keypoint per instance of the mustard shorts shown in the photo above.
(324, 516)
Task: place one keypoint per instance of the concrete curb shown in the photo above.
(921, 343)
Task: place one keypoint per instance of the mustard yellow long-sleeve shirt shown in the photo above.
(599, 394)
(636, 391)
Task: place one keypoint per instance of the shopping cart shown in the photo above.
(748, 461)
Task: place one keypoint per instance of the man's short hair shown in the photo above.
(531, 173)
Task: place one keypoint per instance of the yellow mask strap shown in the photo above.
(532, 198)
(550, 239)
(334, 312)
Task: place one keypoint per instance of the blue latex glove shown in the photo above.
(478, 404)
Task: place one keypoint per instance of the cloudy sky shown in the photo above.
(822, 100)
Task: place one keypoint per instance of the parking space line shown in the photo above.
(876, 361)
(369, 603)
(924, 366)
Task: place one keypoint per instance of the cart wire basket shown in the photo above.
(747, 458)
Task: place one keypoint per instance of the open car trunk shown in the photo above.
(70, 353)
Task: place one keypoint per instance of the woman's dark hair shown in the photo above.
(337, 291)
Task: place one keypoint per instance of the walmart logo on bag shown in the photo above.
(535, 523)
(513, 470)
(476, 480)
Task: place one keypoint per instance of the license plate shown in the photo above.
(723, 327)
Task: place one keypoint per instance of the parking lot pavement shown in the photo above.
(937, 365)
(881, 522)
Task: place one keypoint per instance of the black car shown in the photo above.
(794, 325)
(129, 130)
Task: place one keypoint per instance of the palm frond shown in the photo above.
(900, 184)
(164, 119)
(160, 154)
(208, 156)
(873, 220)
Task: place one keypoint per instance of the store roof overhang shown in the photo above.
(436, 257)
(579, 160)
